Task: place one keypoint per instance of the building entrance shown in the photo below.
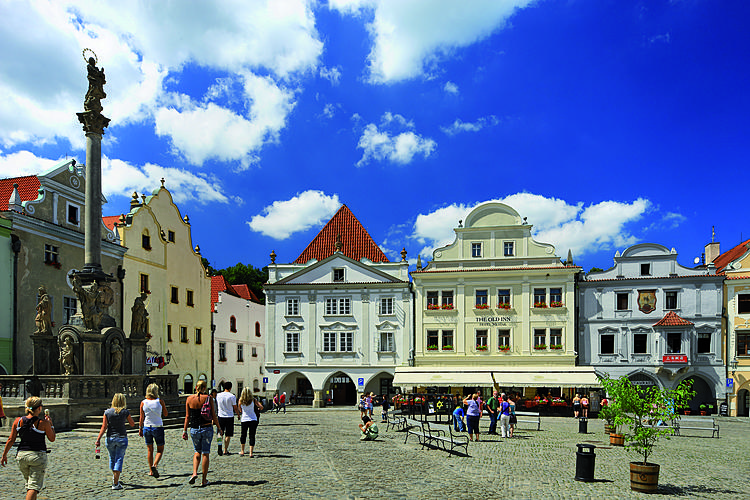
(342, 390)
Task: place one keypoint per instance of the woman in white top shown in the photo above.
(249, 409)
(151, 427)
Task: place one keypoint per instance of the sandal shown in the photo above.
(155, 472)
(203, 485)
(192, 479)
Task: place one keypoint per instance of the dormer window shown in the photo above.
(170, 236)
(146, 241)
(508, 249)
(645, 269)
(476, 250)
(338, 275)
(74, 214)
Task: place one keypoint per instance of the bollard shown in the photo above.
(583, 425)
(585, 461)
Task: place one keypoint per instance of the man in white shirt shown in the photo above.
(227, 403)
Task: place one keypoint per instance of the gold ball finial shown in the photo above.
(273, 257)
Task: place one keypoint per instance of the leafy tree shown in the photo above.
(207, 265)
(596, 270)
(241, 274)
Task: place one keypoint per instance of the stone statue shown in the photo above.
(43, 311)
(89, 298)
(139, 317)
(115, 357)
(67, 357)
(92, 101)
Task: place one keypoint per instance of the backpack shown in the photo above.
(206, 410)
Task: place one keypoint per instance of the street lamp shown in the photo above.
(168, 356)
(733, 364)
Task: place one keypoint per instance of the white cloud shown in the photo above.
(409, 38)
(459, 126)
(22, 163)
(281, 219)
(329, 110)
(451, 88)
(385, 143)
(567, 226)
(331, 74)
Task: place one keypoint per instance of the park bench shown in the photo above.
(415, 428)
(443, 434)
(395, 420)
(697, 423)
(673, 425)
(530, 418)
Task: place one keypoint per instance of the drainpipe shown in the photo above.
(16, 246)
(413, 325)
(121, 277)
(725, 327)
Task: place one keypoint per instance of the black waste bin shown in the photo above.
(585, 461)
(583, 425)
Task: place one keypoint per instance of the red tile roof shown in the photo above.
(218, 284)
(356, 241)
(28, 188)
(672, 319)
(245, 292)
(483, 269)
(730, 255)
(110, 221)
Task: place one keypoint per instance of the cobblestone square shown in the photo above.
(317, 454)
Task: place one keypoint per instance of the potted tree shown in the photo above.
(607, 414)
(646, 414)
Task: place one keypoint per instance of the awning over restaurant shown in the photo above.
(537, 376)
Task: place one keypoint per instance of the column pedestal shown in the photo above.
(318, 401)
(92, 353)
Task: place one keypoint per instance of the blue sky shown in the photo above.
(606, 123)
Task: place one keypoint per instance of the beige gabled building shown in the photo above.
(162, 261)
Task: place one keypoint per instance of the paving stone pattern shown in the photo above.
(318, 454)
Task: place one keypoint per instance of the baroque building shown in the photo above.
(338, 317)
(655, 321)
(162, 263)
(239, 337)
(495, 308)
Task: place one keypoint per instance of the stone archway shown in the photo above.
(187, 382)
(340, 390)
(704, 393)
(743, 403)
(298, 384)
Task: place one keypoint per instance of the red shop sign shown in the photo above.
(674, 358)
(276, 372)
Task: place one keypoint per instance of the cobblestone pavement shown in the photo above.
(318, 454)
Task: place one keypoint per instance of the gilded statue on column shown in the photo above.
(43, 318)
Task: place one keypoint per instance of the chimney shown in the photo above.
(712, 249)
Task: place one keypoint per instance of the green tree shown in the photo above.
(241, 274)
(596, 270)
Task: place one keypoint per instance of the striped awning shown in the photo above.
(533, 376)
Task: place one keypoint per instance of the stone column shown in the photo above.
(93, 209)
(318, 401)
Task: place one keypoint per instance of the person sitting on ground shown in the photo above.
(369, 429)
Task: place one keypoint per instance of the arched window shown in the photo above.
(257, 329)
(146, 240)
(188, 384)
(233, 324)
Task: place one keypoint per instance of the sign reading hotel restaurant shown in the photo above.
(493, 319)
(674, 358)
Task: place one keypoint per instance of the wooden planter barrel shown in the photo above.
(609, 429)
(644, 478)
(616, 439)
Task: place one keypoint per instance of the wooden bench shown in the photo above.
(395, 420)
(443, 433)
(697, 423)
(415, 428)
(530, 418)
(673, 425)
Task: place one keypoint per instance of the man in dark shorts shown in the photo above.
(227, 403)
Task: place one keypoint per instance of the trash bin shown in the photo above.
(585, 461)
(583, 424)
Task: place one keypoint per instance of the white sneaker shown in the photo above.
(117, 486)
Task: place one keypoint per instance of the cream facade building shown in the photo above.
(162, 261)
(495, 308)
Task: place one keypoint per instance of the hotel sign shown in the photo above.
(493, 319)
(674, 358)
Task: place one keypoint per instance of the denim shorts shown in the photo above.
(116, 446)
(152, 434)
(202, 438)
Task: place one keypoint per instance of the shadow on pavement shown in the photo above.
(289, 425)
(670, 489)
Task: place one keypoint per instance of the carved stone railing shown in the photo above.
(84, 387)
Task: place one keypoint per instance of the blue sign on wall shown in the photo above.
(361, 382)
(730, 383)
(265, 380)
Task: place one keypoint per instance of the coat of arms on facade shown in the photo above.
(646, 300)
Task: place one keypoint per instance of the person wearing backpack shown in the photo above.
(200, 415)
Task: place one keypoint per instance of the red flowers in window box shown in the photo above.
(503, 306)
(540, 347)
(556, 347)
(504, 348)
(482, 306)
(556, 303)
(432, 347)
(432, 307)
(53, 263)
(481, 348)
(447, 307)
(540, 305)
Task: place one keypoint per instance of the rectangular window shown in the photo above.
(670, 300)
(540, 338)
(51, 254)
(292, 342)
(432, 300)
(386, 306)
(338, 306)
(503, 338)
(222, 351)
(743, 303)
(292, 307)
(346, 341)
(146, 241)
(255, 352)
(623, 301)
(386, 342)
(169, 333)
(645, 269)
(183, 334)
(189, 298)
(198, 336)
(329, 341)
(476, 249)
(508, 249)
(480, 297)
(607, 343)
(170, 236)
(674, 342)
(555, 296)
(503, 297)
(640, 343)
(240, 386)
(144, 284)
(175, 295)
(338, 275)
(73, 214)
(447, 298)
(555, 337)
(743, 344)
(70, 306)
(240, 353)
(704, 343)
(432, 340)
(540, 297)
(447, 339)
(481, 339)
